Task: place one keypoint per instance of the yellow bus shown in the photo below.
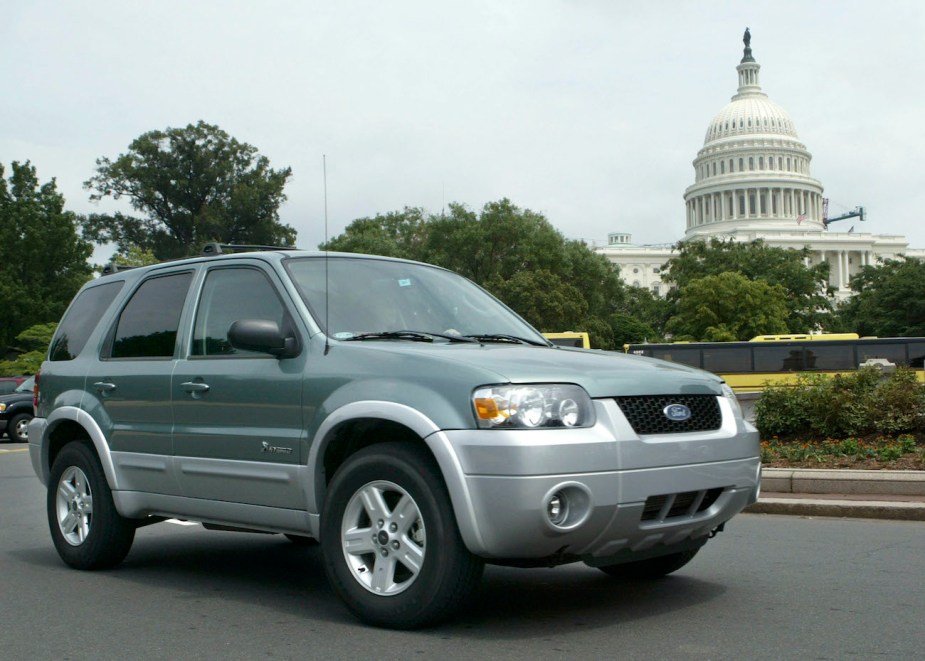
(750, 366)
(578, 339)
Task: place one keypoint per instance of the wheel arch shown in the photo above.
(69, 423)
(361, 424)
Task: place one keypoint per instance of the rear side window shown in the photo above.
(147, 327)
(80, 320)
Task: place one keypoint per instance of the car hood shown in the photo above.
(600, 373)
(15, 397)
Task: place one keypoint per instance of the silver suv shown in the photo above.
(393, 411)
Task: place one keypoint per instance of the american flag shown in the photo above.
(801, 218)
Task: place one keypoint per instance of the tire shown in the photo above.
(18, 429)
(87, 531)
(651, 568)
(391, 546)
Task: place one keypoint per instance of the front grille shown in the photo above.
(688, 503)
(646, 413)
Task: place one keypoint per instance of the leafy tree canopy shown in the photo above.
(43, 260)
(888, 300)
(554, 283)
(728, 306)
(807, 304)
(33, 342)
(189, 186)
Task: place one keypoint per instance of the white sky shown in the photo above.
(589, 112)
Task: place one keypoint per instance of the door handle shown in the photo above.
(194, 386)
(104, 386)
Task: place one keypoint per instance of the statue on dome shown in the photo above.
(747, 38)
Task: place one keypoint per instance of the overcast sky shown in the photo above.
(589, 112)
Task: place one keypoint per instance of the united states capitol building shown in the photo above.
(752, 181)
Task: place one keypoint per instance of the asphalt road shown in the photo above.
(770, 587)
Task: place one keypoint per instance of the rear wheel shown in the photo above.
(87, 531)
(392, 549)
(651, 568)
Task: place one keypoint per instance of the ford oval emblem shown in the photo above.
(677, 412)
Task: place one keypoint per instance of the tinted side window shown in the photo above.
(727, 359)
(685, 356)
(835, 357)
(778, 359)
(81, 319)
(916, 354)
(147, 327)
(230, 294)
(895, 353)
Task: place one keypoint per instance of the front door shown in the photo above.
(238, 414)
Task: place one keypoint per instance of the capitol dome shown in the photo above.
(753, 171)
(751, 114)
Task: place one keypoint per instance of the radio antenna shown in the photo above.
(327, 308)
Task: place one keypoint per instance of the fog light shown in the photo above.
(566, 506)
(557, 509)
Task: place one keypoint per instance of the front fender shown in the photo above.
(427, 429)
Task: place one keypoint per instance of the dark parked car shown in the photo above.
(16, 412)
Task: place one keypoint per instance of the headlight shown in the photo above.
(2, 408)
(733, 400)
(532, 407)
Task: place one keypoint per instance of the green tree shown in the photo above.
(544, 300)
(33, 343)
(728, 306)
(808, 304)
(888, 300)
(190, 186)
(641, 317)
(395, 234)
(43, 260)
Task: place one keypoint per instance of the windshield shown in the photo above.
(26, 386)
(380, 296)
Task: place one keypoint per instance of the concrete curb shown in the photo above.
(853, 482)
(869, 494)
(854, 509)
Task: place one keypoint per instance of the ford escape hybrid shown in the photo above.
(393, 411)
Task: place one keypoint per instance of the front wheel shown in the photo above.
(86, 529)
(651, 568)
(392, 549)
(19, 428)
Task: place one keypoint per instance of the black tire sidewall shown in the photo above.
(448, 572)
(110, 536)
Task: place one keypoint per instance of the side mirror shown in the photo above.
(264, 336)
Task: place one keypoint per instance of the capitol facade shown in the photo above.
(752, 181)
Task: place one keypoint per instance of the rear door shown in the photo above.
(238, 414)
(129, 386)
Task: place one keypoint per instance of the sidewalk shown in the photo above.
(842, 493)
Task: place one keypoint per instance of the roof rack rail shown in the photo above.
(112, 267)
(225, 248)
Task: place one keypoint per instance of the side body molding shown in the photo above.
(424, 427)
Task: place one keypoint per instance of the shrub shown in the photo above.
(864, 402)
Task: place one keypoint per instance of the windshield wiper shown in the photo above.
(501, 337)
(410, 335)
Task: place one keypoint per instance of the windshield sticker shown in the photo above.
(343, 335)
(404, 282)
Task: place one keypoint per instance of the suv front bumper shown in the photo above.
(624, 498)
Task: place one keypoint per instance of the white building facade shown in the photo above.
(752, 181)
